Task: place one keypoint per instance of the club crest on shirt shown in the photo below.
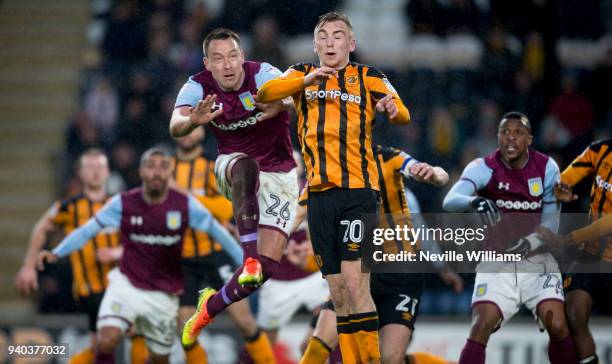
(481, 290)
(351, 80)
(247, 101)
(173, 220)
(535, 186)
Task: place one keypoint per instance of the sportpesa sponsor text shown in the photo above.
(332, 94)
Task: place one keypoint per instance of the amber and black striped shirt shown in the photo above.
(89, 274)
(197, 176)
(335, 122)
(394, 207)
(596, 161)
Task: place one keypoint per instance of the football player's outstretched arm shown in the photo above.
(599, 228)
(292, 82)
(186, 118)
(192, 109)
(26, 280)
(422, 172)
(201, 219)
(474, 177)
(108, 216)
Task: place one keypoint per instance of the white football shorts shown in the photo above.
(511, 287)
(279, 300)
(277, 195)
(152, 312)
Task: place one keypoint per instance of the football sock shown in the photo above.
(196, 355)
(424, 358)
(562, 351)
(365, 333)
(260, 349)
(346, 341)
(139, 352)
(232, 291)
(86, 356)
(316, 352)
(246, 206)
(472, 353)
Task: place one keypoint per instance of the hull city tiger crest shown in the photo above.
(247, 101)
(173, 220)
(535, 186)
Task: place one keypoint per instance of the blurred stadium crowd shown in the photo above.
(458, 65)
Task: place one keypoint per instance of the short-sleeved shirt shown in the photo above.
(239, 128)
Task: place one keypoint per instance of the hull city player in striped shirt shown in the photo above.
(336, 102)
(588, 289)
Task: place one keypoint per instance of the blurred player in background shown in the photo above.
(88, 272)
(143, 290)
(396, 296)
(204, 263)
(336, 104)
(254, 169)
(585, 287)
(514, 179)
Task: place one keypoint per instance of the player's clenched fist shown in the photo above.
(319, 75)
(422, 172)
(203, 112)
(386, 105)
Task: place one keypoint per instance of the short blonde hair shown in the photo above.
(333, 16)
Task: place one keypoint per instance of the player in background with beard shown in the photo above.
(143, 291)
(89, 271)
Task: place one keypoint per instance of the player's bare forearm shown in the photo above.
(599, 228)
(37, 240)
(440, 177)
(180, 123)
(185, 119)
(279, 89)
